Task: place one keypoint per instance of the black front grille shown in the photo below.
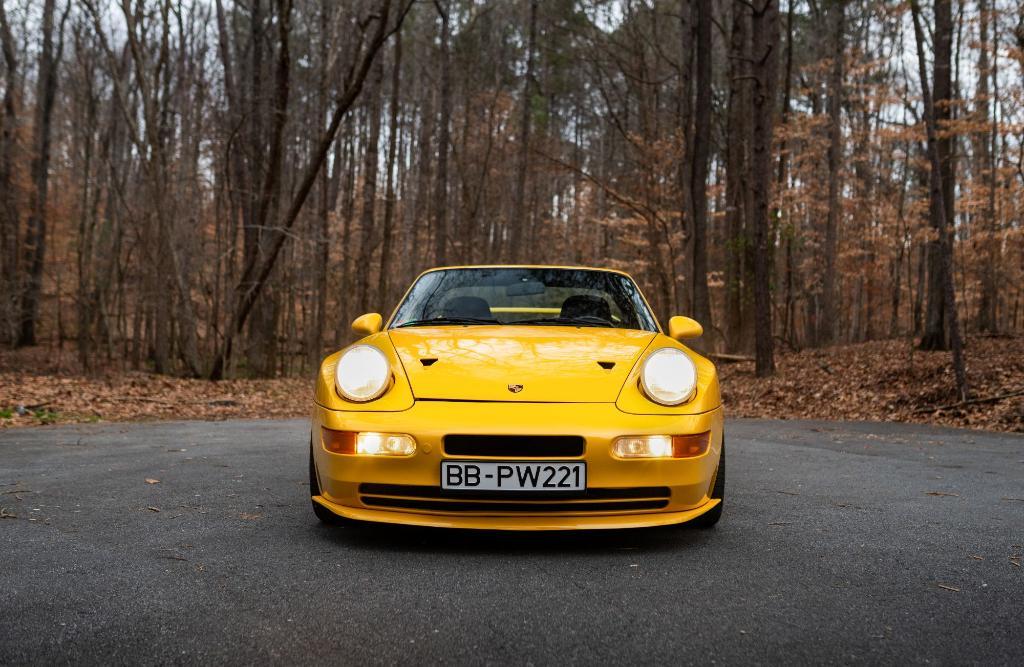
(436, 499)
(526, 446)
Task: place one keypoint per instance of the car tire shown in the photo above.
(711, 517)
(325, 515)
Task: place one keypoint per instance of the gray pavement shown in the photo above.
(840, 543)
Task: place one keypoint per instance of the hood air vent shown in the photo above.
(607, 365)
(428, 362)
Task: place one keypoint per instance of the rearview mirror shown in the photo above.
(525, 288)
(681, 328)
(369, 323)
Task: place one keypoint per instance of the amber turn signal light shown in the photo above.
(339, 442)
(686, 446)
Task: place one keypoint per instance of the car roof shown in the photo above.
(528, 266)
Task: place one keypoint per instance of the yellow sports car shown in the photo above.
(519, 398)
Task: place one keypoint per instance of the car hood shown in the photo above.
(491, 363)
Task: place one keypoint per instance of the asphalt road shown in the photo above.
(840, 543)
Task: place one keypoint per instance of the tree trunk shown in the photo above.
(321, 245)
(370, 164)
(386, 267)
(830, 293)
(34, 252)
(10, 227)
(737, 137)
(937, 192)
(701, 143)
(517, 222)
(786, 227)
(765, 31)
(421, 219)
(903, 242)
(936, 331)
(681, 299)
(264, 181)
(984, 171)
(267, 172)
(443, 139)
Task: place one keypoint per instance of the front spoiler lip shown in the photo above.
(481, 521)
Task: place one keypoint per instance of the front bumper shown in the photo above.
(640, 492)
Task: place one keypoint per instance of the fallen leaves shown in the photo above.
(949, 588)
(32, 377)
(884, 381)
(153, 509)
(873, 381)
(4, 514)
(941, 493)
(151, 480)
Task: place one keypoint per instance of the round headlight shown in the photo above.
(362, 374)
(669, 377)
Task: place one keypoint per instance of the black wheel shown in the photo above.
(712, 516)
(325, 515)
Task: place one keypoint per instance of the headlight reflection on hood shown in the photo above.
(669, 377)
(363, 374)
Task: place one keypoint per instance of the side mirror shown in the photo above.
(371, 323)
(681, 328)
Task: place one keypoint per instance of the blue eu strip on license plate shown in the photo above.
(514, 475)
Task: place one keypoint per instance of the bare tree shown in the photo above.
(984, 153)
(765, 29)
(254, 275)
(518, 215)
(184, 135)
(938, 202)
(367, 227)
(830, 292)
(440, 207)
(936, 331)
(701, 150)
(738, 269)
(387, 231)
(10, 228)
(42, 131)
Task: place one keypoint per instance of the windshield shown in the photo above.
(525, 296)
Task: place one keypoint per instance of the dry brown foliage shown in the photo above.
(875, 381)
(885, 381)
(50, 394)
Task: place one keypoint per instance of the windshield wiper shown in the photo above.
(447, 320)
(582, 321)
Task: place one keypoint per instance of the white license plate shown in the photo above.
(514, 476)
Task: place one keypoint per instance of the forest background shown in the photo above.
(215, 189)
